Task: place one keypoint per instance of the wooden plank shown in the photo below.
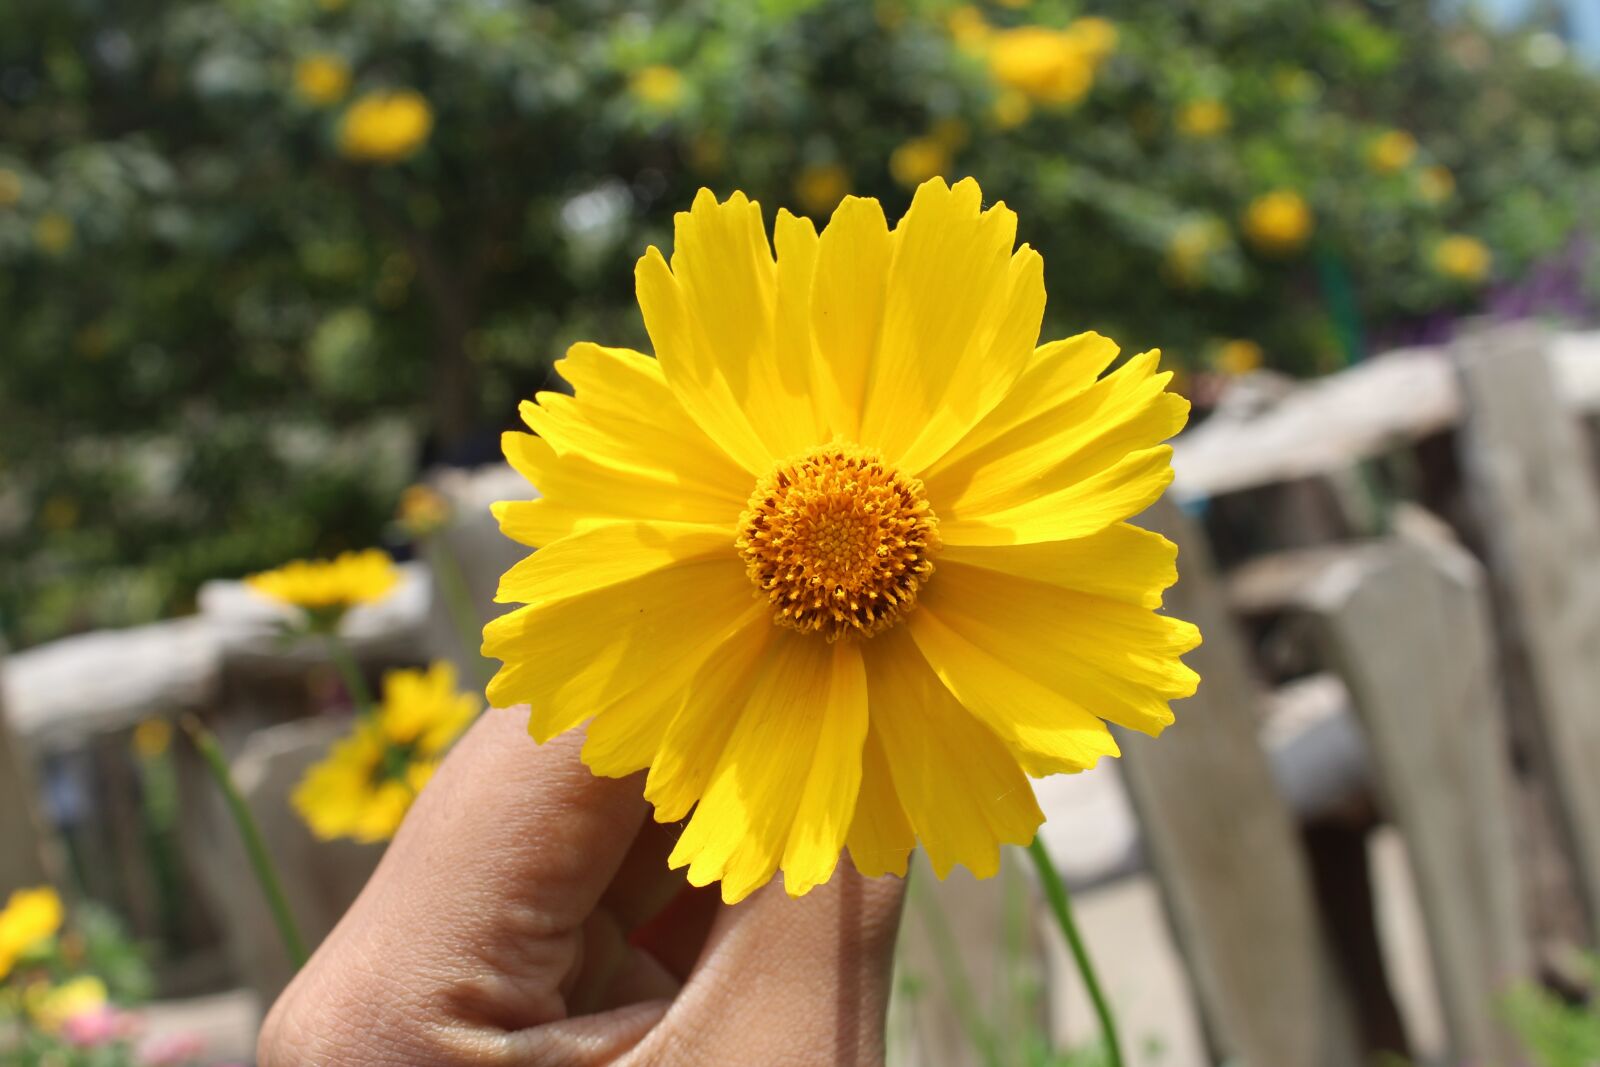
(1407, 627)
(1534, 497)
(1224, 844)
(22, 860)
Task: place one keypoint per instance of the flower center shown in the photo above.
(839, 541)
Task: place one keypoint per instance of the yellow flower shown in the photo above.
(422, 510)
(365, 785)
(54, 233)
(918, 160)
(31, 916)
(152, 738)
(930, 511)
(1238, 356)
(1392, 151)
(1466, 259)
(1050, 66)
(52, 1007)
(1436, 184)
(820, 187)
(1191, 246)
(386, 126)
(1010, 109)
(330, 585)
(10, 187)
(1201, 119)
(1278, 222)
(1098, 36)
(658, 86)
(968, 28)
(321, 79)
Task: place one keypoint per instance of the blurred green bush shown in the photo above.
(261, 258)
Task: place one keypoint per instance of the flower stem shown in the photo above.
(344, 661)
(458, 601)
(260, 860)
(1055, 891)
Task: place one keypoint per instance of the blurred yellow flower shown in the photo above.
(1049, 66)
(321, 78)
(1098, 36)
(423, 509)
(820, 187)
(1392, 151)
(919, 159)
(1464, 258)
(53, 1006)
(365, 785)
(1010, 109)
(1238, 356)
(1436, 184)
(31, 916)
(1192, 243)
(1278, 222)
(10, 187)
(152, 738)
(349, 579)
(385, 126)
(1205, 118)
(968, 28)
(658, 86)
(54, 233)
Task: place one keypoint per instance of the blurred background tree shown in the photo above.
(262, 260)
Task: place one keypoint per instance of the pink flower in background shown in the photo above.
(98, 1026)
(171, 1050)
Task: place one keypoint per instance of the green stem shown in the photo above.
(260, 861)
(345, 662)
(1055, 891)
(458, 601)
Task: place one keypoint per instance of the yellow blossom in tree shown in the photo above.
(31, 917)
(918, 160)
(1010, 109)
(332, 585)
(1278, 222)
(53, 1006)
(1192, 244)
(1204, 118)
(385, 126)
(1049, 66)
(10, 187)
(1098, 36)
(54, 233)
(1392, 151)
(658, 86)
(820, 187)
(849, 559)
(365, 785)
(1436, 184)
(321, 78)
(968, 28)
(1238, 356)
(423, 509)
(152, 738)
(1466, 259)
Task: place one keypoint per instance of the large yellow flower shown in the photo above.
(366, 784)
(849, 559)
(329, 584)
(31, 916)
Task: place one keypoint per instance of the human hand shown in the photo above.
(525, 915)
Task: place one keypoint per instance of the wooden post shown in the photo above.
(1407, 627)
(23, 858)
(1534, 496)
(1224, 844)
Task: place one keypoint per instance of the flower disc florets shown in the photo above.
(839, 541)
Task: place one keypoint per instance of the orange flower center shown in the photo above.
(839, 541)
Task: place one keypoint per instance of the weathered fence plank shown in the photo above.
(22, 859)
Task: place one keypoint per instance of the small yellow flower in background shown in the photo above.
(152, 738)
(930, 508)
(968, 28)
(385, 126)
(1191, 245)
(1201, 119)
(423, 510)
(10, 187)
(1049, 66)
(1010, 109)
(1279, 222)
(1098, 37)
(1392, 151)
(53, 1006)
(1294, 84)
(332, 585)
(365, 785)
(321, 79)
(1466, 259)
(1239, 356)
(820, 187)
(658, 86)
(31, 917)
(1436, 184)
(918, 160)
(54, 233)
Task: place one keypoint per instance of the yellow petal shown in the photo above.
(770, 781)
(1121, 562)
(796, 240)
(1124, 412)
(1116, 660)
(605, 555)
(963, 791)
(881, 838)
(847, 302)
(960, 320)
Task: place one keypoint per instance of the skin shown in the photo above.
(525, 915)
